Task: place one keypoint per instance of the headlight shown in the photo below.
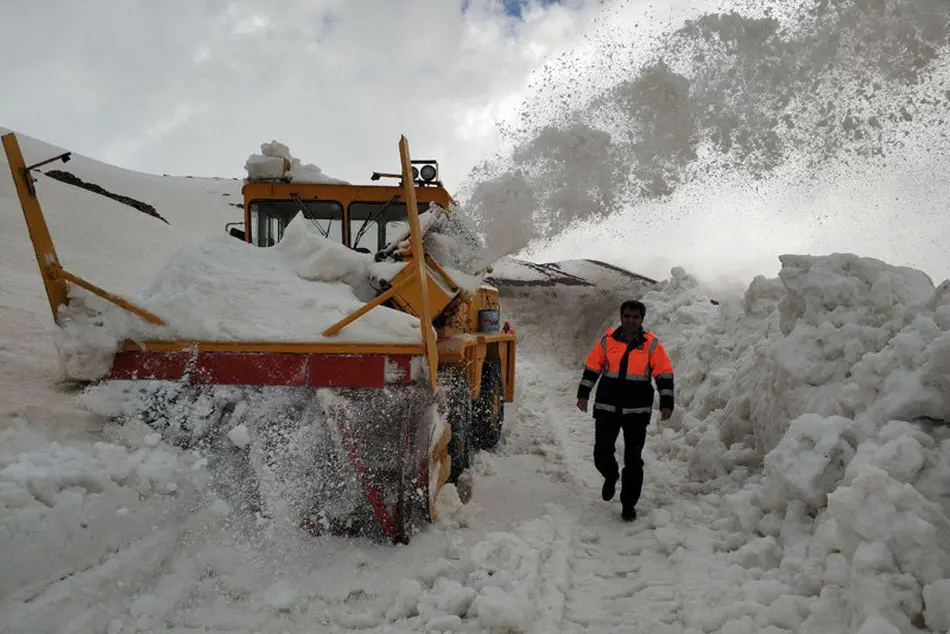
(428, 172)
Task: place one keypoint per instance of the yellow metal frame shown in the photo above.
(274, 346)
(418, 260)
(469, 352)
(55, 278)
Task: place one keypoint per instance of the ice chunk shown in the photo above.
(240, 436)
(812, 457)
(275, 162)
(264, 167)
(937, 600)
(877, 508)
(276, 149)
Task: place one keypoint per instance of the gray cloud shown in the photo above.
(188, 86)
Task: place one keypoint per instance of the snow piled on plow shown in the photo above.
(223, 289)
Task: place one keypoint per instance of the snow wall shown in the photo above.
(815, 408)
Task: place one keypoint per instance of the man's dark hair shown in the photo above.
(634, 304)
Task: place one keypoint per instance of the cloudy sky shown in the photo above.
(194, 86)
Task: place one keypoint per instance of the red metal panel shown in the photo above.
(264, 368)
(404, 372)
(148, 365)
(250, 368)
(347, 370)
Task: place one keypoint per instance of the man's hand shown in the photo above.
(665, 414)
(582, 404)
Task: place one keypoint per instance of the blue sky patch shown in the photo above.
(512, 7)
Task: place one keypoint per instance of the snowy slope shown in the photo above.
(800, 486)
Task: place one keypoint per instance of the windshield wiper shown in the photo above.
(307, 215)
(373, 216)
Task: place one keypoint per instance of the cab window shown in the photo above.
(269, 219)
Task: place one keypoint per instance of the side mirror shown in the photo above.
(237, 233)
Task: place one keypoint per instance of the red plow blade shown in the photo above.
(339, 442)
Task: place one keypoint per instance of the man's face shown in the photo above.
(631, 320)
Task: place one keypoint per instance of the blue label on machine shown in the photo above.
(488, 319)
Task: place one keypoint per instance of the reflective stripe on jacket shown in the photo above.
(626, 381)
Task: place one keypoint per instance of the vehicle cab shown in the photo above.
(363, 217)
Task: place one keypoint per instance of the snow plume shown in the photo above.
(453, 240)
(726, 93)
(832, 378)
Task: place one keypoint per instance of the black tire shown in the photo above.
(459, 410)
(489, 408)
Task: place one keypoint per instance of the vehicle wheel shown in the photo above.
(489, 409)
(459, 416)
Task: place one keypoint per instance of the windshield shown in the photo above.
(373, 225)
(269, 218)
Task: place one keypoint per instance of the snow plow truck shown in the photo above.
(338, 436)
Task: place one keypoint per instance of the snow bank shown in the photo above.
(831, 377)
(275, 162)
(226, 290)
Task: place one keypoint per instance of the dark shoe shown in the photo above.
(610, 487)
(629, 514)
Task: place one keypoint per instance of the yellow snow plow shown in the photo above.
(345, 436)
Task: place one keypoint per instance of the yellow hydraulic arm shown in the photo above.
(418, 260)
(417, 275)
(54, 275)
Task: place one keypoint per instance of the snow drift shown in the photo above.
(833, 377)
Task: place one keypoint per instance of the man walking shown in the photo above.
(626, 360)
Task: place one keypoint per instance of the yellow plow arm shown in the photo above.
(54, 275)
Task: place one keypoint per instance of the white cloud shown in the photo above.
(194, 87)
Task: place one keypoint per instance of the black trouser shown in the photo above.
(606, 430)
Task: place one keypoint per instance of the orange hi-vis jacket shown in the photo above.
(626, 374)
